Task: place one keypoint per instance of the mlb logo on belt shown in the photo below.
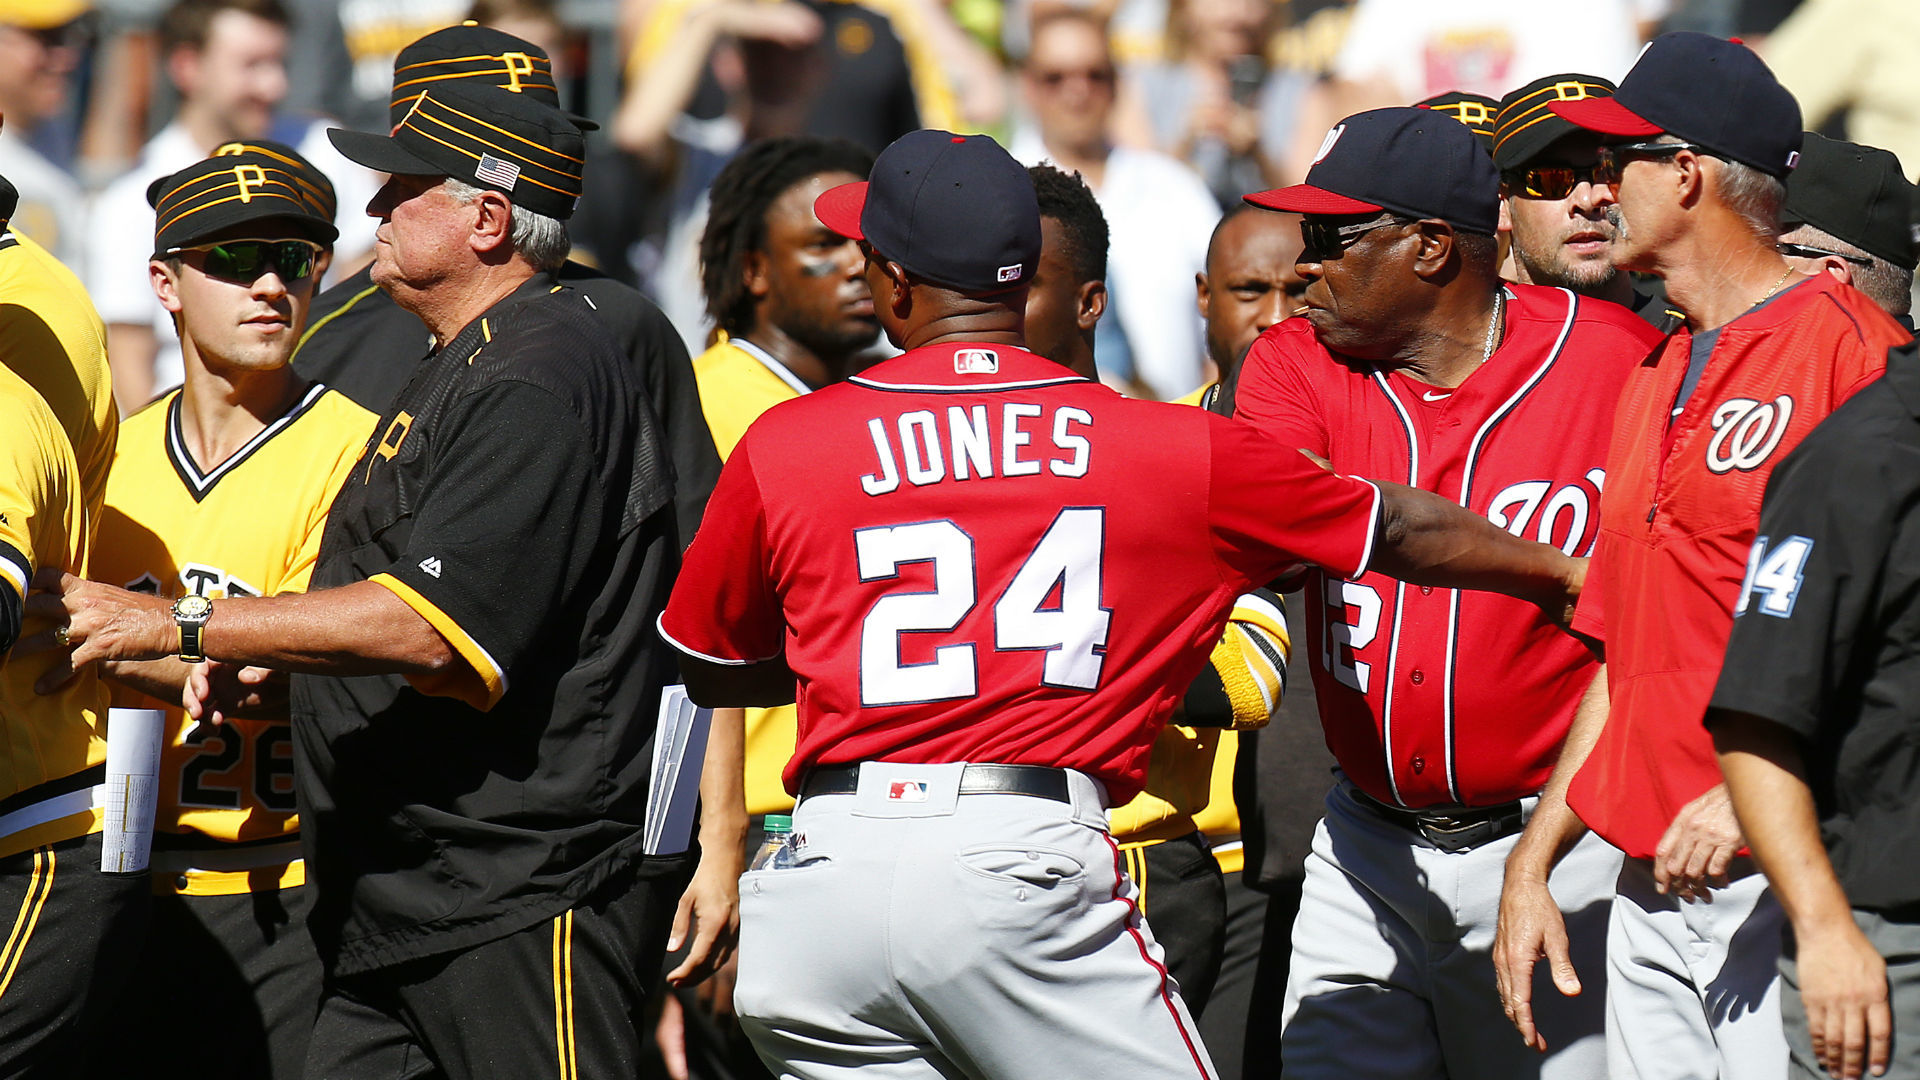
(906, 791)
(976, 362)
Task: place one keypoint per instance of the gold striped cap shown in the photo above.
(473, 53)
(1476, 111)
(486, 136)
(314, 184)
(1527, 126)
(228, 189)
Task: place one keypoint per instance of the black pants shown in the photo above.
(1270, 981)
(1224, 1027)
(1185, 902)
(247, 965)
(560, 999)
(72, 935)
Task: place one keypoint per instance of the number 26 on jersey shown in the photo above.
(1052, 605)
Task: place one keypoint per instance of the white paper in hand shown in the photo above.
(133, 784)
(679, 749)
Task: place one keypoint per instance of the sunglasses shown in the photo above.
(1614, 159)
(1053, 80)
(1549, 181)
(1803, 251)
(243, 261)
(1327, 239)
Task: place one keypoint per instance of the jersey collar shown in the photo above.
(780, 371)
(199, 483)
(964, 368)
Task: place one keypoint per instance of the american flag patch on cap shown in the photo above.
(492, 170)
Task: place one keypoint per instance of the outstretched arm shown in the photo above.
(1428, 540)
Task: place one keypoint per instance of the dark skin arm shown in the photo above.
(1428, 540)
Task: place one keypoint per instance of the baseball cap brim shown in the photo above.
(839, 209)
(1606, 116)
(1307, 199)
(381, 153)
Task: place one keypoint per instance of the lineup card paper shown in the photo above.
(679, 750)
(133, 785)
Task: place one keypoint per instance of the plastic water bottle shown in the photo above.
(776, 851)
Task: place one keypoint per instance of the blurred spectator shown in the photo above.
(1160, 212)
(537, 21)
(1214, 102)
(1857, 57)
(39, 45)
(227, 59)
(1399, 51)
(343, 61)
(1137, 29)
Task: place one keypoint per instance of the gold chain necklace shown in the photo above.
(1776, 286)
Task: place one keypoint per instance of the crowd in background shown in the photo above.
(1169, 108)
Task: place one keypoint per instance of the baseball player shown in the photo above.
(1166, 834)
(51, 336)
(72, 931)
(244, 440)
(1445, 710)
(474, 800)
(951, 562)
(1813, 720)
(1848, 213)
(1476, 111)
(1702, 138)
(357, 330)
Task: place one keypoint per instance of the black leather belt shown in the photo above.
(1035, 780)
(1455, 830)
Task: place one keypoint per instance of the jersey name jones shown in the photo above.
(923, 447)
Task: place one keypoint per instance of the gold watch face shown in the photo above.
(192, 607)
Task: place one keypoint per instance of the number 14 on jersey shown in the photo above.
(1072, 632)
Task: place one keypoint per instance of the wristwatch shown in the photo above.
(192, 612)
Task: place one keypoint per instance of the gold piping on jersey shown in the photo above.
(563, 1037)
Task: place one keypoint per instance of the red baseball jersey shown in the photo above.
(968, 554)
(1434, 697)
(1682, 506)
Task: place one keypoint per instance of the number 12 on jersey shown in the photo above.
(1072, 633)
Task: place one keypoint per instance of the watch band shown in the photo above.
(192, 641)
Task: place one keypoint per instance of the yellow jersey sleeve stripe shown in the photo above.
(1257, 610)
(479, 661)
(15, 570)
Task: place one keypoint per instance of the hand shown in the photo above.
(711, 905)
(1530, 928)
(790, 24)
(216, 691)
(1572, 582)
(102, 622)
(670, 1038)
(1693, 856)
(1843, 983)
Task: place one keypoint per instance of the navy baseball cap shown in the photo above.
(1412, 161)
(1706, 90)
(955, 210)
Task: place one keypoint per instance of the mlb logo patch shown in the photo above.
(976, 362)
(906, 791)
(1010, 273)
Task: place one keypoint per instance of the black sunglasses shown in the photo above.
(1326, 239)
(1614, 159)
(1549, 181)
(243, 261)
(1805, 252)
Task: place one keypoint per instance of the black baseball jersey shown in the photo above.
(1826, 633)
(516, 495)
(361, 343)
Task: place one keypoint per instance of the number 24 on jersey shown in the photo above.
(1073, 633)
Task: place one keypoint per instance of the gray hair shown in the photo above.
(1755, 197)
(537, 238)
(1884, 283)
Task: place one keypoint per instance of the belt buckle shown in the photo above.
(1453, 835)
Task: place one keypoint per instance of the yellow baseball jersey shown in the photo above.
(54, 752)
(51, 336)
(1190, 775)
(248, 527)
(738, 381)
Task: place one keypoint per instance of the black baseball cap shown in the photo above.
(1706, 90)
(485, 136)
(955, 210)
(1477, 111)
(474, 53)
(1407, 160)
(229, 189)
(1527, 124)
(314, 184)
(1854, 193)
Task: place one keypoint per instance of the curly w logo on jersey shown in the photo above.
(1746, 432)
